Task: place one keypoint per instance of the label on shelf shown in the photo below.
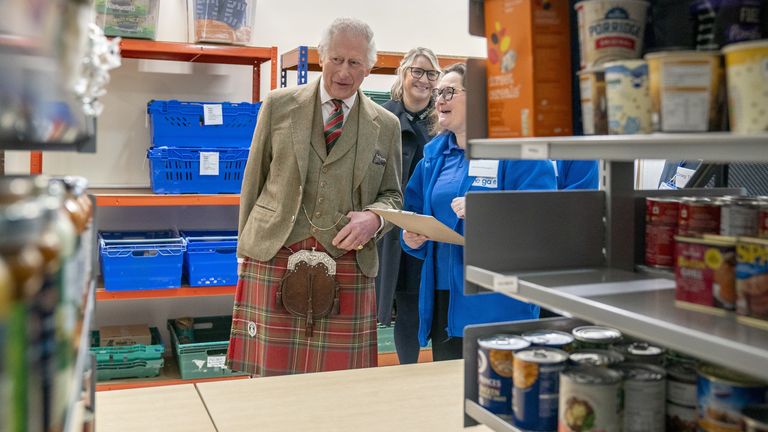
(212, 115)
(209, 163)
(217, 361)
(505, 284)
(534, 151)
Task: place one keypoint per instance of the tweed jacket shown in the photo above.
(276, 172)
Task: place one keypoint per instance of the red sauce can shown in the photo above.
(661, 215)
(698, 216)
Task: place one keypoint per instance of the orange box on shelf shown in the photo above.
(529, 68)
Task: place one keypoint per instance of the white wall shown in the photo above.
(123, 138)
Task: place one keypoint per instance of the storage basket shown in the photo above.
(205, 356)
(186, 170)
(210, 258)
(140, 260)
(183, 124)
(127, 353)
(135, 369)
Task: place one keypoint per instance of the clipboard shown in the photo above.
(421, 224)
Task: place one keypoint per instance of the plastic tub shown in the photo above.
(610, 30)
(141, 260)
(204, 356)
(210, 258)
(187, 170)
(628, 96)
(747, 78)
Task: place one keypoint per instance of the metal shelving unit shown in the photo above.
(83, 361)
(579, 252)
(305, 58)
(145, 198)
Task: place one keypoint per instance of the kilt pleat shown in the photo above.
(266, 340)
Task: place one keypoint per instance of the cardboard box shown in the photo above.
(124, 335)
(529, 68)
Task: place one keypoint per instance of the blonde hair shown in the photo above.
(350, 26)
(405, 63)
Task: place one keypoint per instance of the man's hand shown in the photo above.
(360, 230)
(413, 240)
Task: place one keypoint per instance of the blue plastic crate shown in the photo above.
(181, 124)
(211, 257)
(141, 260)
(177, 170)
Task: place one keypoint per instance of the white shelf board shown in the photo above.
(642, 305)
(710, 146)
(483, 416)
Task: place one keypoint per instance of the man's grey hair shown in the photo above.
(349, 26)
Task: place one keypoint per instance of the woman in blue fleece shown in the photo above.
(437, 187)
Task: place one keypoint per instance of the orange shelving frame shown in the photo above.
(104, 295)
(145, 198)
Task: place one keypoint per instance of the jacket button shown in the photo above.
(325, 170)
(317, 214)
(293, 218)
(320, 200)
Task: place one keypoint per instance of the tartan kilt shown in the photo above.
(266, 340)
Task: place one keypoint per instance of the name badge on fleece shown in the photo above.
(483, 168)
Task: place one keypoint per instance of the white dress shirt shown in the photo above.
(327, 105)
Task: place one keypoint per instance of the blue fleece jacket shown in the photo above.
(577, 174)
(464, 310)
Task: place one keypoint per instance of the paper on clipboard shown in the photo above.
(421, 224)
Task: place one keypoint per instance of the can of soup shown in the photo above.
(595, 357)
(738, 216)
(681, 384)
(645, 390)
(681, 418)
(536, 388)
(698, 216)
(590, 399)
(550, 339)
(642, 352)
(495, 364)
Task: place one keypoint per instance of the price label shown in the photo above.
(209, 163)
(505, 284)
(535, 151)
(212, 115)
(219, 362)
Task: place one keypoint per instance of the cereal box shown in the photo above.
(528, 67)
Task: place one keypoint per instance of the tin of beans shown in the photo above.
(536, 387)
(589, 337)
(495, 363)
(550, 339)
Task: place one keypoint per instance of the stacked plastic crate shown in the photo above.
(199, 147)
(128, 361)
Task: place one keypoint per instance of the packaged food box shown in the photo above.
(128, 18)
(221, 21)
(528, 68)
(122, 335)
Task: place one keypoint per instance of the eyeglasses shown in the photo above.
(447, 93)
(417, 73)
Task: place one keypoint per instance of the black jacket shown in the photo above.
(414, 135)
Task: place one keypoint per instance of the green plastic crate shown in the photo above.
(378, 96)
(205, 356)
(386, 339)
(128, 353)
(135, 369)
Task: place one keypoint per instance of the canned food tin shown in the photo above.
(762, 220)
(681, 418)
(738, 216)
(645, 390)
(594, 114)
(595, 337)
(495, 356)
(589, 399)
(536, 388)
(661, 215)
(755, 418)
(595, 357)
(681, 384)
(662, 211)
(722, 394)
(628, 97)
(550, 338)
(705, 271)
(642, 352)
(752, 278)
(698, 216)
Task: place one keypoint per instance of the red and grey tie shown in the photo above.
(332, 129)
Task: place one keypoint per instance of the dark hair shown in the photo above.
(461, 69)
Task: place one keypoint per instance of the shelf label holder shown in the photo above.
(534, 151)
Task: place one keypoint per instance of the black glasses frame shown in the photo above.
(446, 92)
(417, 73)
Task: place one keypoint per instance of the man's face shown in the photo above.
(344, 67)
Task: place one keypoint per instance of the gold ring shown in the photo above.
(360, 247)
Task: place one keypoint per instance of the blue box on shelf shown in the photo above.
(141, 260)
(190, 170)
(210, 258)
(185, 124)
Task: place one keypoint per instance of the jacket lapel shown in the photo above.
(367, 137)
(302, 115)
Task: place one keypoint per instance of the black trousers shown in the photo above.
(407, 327)
(443, 346)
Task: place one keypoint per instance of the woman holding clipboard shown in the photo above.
(437, 188)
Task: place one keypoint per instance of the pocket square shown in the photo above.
(378, 159)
